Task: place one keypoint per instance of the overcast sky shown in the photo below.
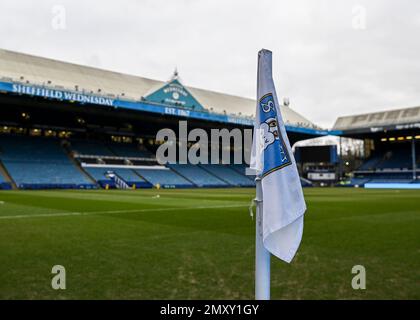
(330, 58)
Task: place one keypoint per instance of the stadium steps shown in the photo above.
(120, 183)
(251, 178)
(78, 166)
(144, 178)
(7, 176)
(216, 176)
(186, 178)
(141, 177)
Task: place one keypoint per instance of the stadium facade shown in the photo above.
(70, 126)
(64, 125)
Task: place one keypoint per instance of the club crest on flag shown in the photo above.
(276, 155)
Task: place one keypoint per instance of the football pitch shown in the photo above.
(199, 244)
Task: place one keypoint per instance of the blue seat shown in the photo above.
(90, 148)
(129, 150)
(39, 161)
(397, 158)
(129, 176)
(164, 177)
(371, 163)
(359, 181)
(198, 175)
(228, 174)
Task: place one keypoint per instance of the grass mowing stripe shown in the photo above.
(205, 253)
(64, 214)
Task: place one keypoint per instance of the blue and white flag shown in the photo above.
(272, 158)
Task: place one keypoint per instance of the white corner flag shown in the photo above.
(283, 205)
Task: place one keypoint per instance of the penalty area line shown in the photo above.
(87, 213)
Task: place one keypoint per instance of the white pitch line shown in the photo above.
(64, 214)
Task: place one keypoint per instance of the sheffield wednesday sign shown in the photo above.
(145, 106)
(61, 95)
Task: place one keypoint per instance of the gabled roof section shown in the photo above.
(384, 118)
(175, 93)
(20, 67)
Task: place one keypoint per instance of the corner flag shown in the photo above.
(283, 205)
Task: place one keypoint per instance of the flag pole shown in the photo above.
(262, 255)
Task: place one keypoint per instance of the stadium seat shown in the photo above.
(3, 184)
(399, 157)
(359, 181)
(371, 163)
(392, 165)
(90, 148)
(241, 168)
(36, 162)
(127, 175)
(228, 174)
(100, 174)
(165, 178)
(382, 177)
(129, 150)
(198, 176)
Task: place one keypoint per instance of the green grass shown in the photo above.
(199, 244)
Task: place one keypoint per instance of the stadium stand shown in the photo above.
(4, 184)
(198, 176)
(130, 150)
(177, 176)
(228, 174)
(101, 175)
(392, 163)
(241, 168)
(371, 163)
(165, 178)
(362, 179)
(390, 143)
(128, 175)
(359, 181)
(396, 156)
(90, 148)
(98, 117)
(36, 163)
